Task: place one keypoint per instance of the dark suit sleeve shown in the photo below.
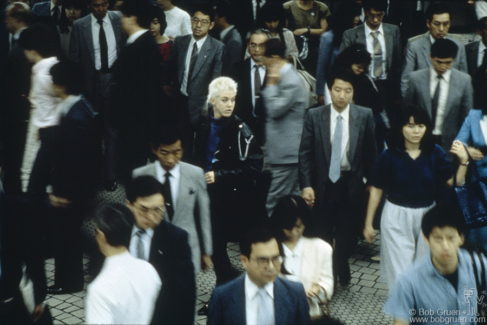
(169, 67)
(74, 44)
(303, 317)
(215, 312)
(397, 57)
(409, 66)
(219, 58)
(346, 41)
(370, 146)
(306, 152)
(233, 54)
(409, 96)
(462, 57)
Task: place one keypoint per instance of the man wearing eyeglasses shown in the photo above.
(166, 247)
(259, 296)
(196, 59)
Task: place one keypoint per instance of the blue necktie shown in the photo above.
(336, 152)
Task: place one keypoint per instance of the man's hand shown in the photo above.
(59, 202)
(38, 310)
(206, 262)
(300, 31)
(308, 194)
(210, 177)
(369, 233)
(313, 291)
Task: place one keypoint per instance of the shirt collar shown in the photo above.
(298, 249)
(481, 47)
(432, 40)
(251, 289)
(368, 30)
(135, 36)
(105, 19)
(446, 75)
(345, 114)
(199, 43)
(224, 32)
(148, 231)
(175, 172)
(253, 64)
(53, 5)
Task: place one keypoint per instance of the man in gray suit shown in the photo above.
(285, 108)
(96, 42)
(476, 50)
(224, 22)
(195, 60)
(444, 92)
(184, 187)
(419, 48)
(337, 151)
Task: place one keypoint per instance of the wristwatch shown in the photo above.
(466, 164)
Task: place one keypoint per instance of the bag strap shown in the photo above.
(296, 62)
(482, 271)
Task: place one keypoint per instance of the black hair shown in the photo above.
(226, 9)
(443, 215)
(64, 22)
(286, 213)
(253, 237)
(345, 74)
(479, 82)
(166, 135)
(257, 31)
(116, 222)
(140, 9)
(142, 186)
(157, 12)
(41, 39)
(444, 48)
(482, 23)
(342, 20)
(354, 54)
(401, 118)
(67, 74)
(205, 10)
(18, 11)
(436, 8)
(377, 5)
(271, 12)
(275, 47)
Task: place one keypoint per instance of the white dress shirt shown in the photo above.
(146, 240)
(481, 53)
(175, 177)
(445, 86)
(178, 23)
(252, 75)
(483, 127)
(254, 7)
(51, 11)
(111, 41)
(125, 292)
(135, 36)
(65, 105)
(344, 163)
(370, 48)
(252, 300)
(294, 260)
(199, 44)
(42, 96)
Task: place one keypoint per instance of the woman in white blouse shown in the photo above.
(307, 260)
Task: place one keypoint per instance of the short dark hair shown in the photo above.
(226, 9)
(41, 39)
(167, 135)
(273, 12)
(345, 74)
(253, 237)
(286, 212)
(444, 48)
(354, 54)
(436, 8)
(443, 215)
(481, 24)
(116, 222)
(142, 186)
(157, 12)
(396, 138)
(67, 74)
(377, 5)
(140, 9)
(205, 10)
(274, 46)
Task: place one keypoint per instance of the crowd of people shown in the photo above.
(203, 115)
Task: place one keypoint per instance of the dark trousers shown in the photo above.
(14, 312)
(187, 128)
(40, 174)
(223, 268)
(337, 221)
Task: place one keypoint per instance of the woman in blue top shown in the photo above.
(410, 171)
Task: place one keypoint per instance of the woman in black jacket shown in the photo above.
(228, 152)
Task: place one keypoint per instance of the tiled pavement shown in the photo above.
(359, 303)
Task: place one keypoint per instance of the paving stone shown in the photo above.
(79, 303)
(63, 297)
(362, 263)
(356, 275)
(355, 288)
(72, 320)
(368, 277)
(381, 292)
(55, 312)
(70, 309)
(63, 316)
(368, 290)
(354, 280)
(375, 265)
(367, 270)
(354, 267)
(53, 302)
(56, 322)
(63, 306)
(366, 283)
(380, 285)
(79, 313)
(73, 299)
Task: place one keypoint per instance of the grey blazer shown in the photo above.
(285, 108)
(472, 51)
(233, 50)
(417, 57)
(392, 37)
(81, 48)
(208, 66)
(459, 100)
(192, 211)
(315, 151)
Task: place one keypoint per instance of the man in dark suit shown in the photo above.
(476, 50)
(444, 92)
(224, 23)
(75, 176)
(338, 150)
(166, 247)
(136, 83)
(96, 42)
(48, 12)
(195, 61)
(250, 77)
(260, 296)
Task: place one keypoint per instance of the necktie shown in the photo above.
(166, 191)
(435, 100)
(194, 56)
(55, 14)
(140, 244)
(103, 47)
(484, 60)
(264, 312)
(336, 152)
(257, 81)
(377, 55)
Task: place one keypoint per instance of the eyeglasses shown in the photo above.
(203, 22)
(378, 16)
(155, 212)
(254, 46)
(263, 262)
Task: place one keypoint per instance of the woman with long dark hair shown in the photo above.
(72, 11)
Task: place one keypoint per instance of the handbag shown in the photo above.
(480, 283)
(309, 83)
(472, 198)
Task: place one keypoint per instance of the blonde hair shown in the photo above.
(221, 84)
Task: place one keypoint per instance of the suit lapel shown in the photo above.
(353, 131)
(238, 300)
(427, 49)
(451, 90)
(282, 305)
(474, 56)
(117, 30)
(204, 53)
(361, 36)
(182, 188)
(425, 84)
(389, 42)
(88, 36)
(325, 131)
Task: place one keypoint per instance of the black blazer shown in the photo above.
(472, 51)
(170, 255)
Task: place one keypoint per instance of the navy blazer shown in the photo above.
(227, 305)
(42, 9)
